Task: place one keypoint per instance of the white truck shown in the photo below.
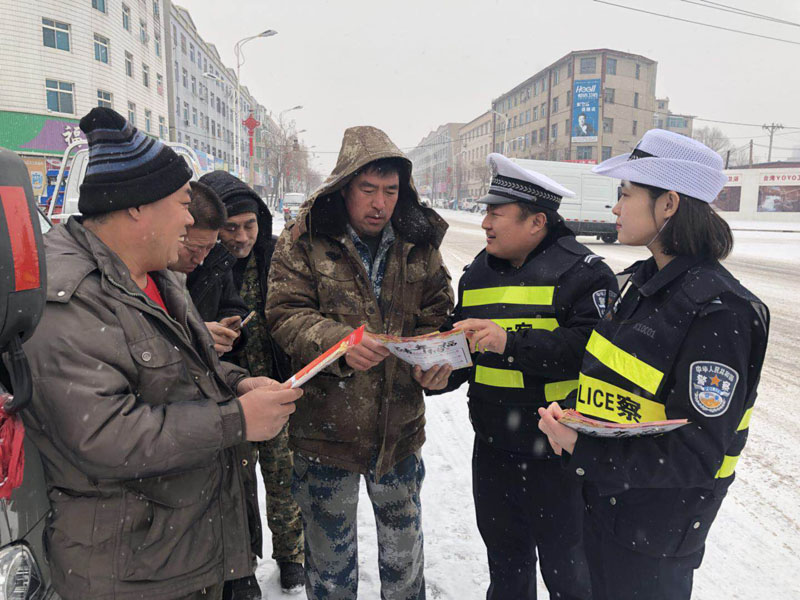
(291, 205)
(589, 212)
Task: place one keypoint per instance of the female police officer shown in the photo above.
(684, 340)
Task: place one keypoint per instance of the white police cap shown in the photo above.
(670, 161)
(513, 183)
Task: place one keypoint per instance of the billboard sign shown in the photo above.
(585, 101)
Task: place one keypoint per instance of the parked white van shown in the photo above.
(589, 212)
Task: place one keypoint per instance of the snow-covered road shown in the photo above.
(753, 551)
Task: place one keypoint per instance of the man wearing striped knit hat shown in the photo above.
(139, 425)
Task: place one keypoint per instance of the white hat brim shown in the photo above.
(686, 177)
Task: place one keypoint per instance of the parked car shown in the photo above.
(24, 571)
(291, 205)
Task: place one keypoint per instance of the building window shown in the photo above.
(555, 104)
(535, 113)
(146, 76)
(185, 113)
(126, 17)
(606, 152)
(635, 127)
(544, 110)
(608, 95)
(588, 65)
(99, 5)
(160, 84)
(638, 70)
(636, 99)
(104, 99)
(60, 96)
(162, 127)
(191, 52)
(533, 137)
(148, 118)
(542, 135)
(584, 152)
(554, 132)
(676, 123)
(156, 10)
(132, 113)
(101, 48)
(194, 116)
(608, 125)
(183, 43)
(185, 78)
(556, 76)
(157, 42)
(566, 128)
(55, 34)
(194, 85)
(143, 32)
(611, 66)
(129, 64)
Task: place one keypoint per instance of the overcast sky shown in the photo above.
(409, 66)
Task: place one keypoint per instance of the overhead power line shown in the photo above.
(750, 33)
(742, 12)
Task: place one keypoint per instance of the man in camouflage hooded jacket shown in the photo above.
(361, 251)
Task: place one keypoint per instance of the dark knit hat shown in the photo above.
(237, 196)
(126, 168)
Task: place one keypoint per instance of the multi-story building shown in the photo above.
(475, 145)
(434, 160)
(202, 93)
(587, 106)
(203, 96)
(664, 118)
(60, 59)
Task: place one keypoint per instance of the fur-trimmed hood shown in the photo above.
(324, 212)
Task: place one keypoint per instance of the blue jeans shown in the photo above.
(328, 499)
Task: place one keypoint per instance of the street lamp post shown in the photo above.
(505, 130)
(237, 50)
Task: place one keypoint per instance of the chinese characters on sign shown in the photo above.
(586, 97)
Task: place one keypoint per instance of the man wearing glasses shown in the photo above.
(208, 266)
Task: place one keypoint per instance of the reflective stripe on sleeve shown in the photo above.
(727, 468)
(517, 294)
(504, 378)
(527, 323)
(598, 398)
(623, 363)
(745, 422)
(558, 390)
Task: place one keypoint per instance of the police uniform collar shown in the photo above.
(649, 279)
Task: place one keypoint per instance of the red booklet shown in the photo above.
(333, 353)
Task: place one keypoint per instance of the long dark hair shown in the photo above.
(694, 230)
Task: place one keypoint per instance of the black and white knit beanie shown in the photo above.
(126, 168)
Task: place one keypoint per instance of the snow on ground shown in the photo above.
(752, 551)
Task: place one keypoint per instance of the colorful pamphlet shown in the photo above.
(324, 360)
(575, 420)
(448, 348)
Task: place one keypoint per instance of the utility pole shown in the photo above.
(772, 129)
(751, 153)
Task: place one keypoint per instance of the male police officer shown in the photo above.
(528, 302)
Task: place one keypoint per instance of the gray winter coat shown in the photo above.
(137, 424)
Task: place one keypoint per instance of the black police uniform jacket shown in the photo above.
(548, 306)
(685, 342)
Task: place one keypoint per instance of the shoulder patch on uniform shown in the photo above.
(711, 387)
(603, 299)
(592, 258)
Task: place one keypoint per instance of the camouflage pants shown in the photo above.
(328, 498)
(283, 514)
